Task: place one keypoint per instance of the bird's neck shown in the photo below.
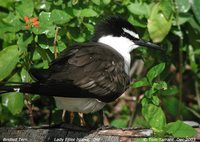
(122, 45)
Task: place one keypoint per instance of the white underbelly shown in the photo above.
(84, 105)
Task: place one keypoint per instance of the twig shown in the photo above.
(54, 42)
(197, 92)
(137, 69)
(30, 108)
(180, 57)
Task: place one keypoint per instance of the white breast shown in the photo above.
(84, 105)
(122, 45)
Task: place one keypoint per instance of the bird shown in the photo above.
(87, 76)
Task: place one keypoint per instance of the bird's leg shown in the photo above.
(104, 123)
(63, 115)
(82, 121)
(71, 115)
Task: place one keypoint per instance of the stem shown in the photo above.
(54, 42)
(30, 108)
(180, 65)
(134, 112)
(197, 92)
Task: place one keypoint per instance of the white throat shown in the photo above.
(122, 45)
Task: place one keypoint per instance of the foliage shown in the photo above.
(152, 111)
(27, 32)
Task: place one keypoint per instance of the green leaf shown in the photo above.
(151, 139)
(60, 17)
(25, 76)
(9, 57)
(106, 2)
(193, 63)
(6, 3)
(170, 91)
(60, 45)
(74, 2)
(11, 24)
(155, 24)
(45, 43)
(155, 71)
(140, 9)
(120, 122)
(88, 13)
(183, 5)
(142, 82)
(90, 27)
(180, 129)
(13, 101)
(97, 2)
(183, 18)
(24, 40)
(175, 107)
(155, 100)
(9, 37)
(155, 116)
(196, 9)
(150, 93)
(161, 85)
(166, 8)
(25, 8)
(46, 25)
(137, 22)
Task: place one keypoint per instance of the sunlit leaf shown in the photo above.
(11, 24)
(141, 9)
(25, 8)
(158, 26)
(193, 63)
(60, 17)
(46, 25)
(6, 3)
(155, 116)
(161, 85)
(106, 1)
(90, 27)
(170, 91)
(137, 22)
(142, 82)
(13, 101)
(9, 57)
(180, 129)
(97, 2)
(196, 9)
(155, 71)
(183, 5)
(88, 13)
(166, 8)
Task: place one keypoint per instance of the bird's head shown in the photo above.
(120, 35)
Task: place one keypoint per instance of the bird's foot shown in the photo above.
(105, 127)
(69, 126)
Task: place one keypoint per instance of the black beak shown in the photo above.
(144, 43)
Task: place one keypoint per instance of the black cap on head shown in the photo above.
(112, 26)
(117, 26)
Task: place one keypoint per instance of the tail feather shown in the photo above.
(16, 87)
(43, 89)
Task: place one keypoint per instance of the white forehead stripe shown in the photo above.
(130, 32)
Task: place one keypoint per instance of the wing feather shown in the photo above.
(93, 67)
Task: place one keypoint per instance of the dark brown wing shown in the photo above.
(94, 67)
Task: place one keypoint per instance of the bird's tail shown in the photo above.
(17, 87)
(45, 89)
